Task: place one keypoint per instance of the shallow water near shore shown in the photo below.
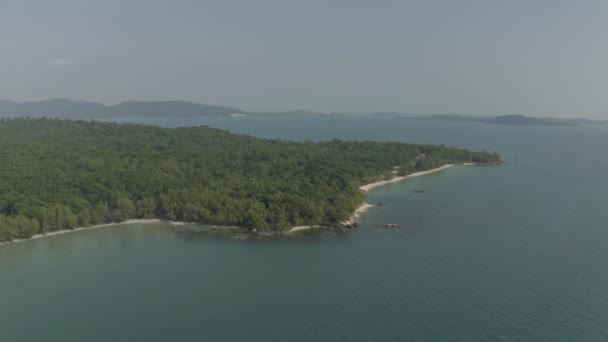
(510, 253)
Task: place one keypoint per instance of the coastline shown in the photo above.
(367, 187)
(103, 225)
(299, 229)
(357, 213)
(364, 207)
(349, 222)
(370, 186)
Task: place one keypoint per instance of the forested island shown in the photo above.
(510, 120)
(61, 174)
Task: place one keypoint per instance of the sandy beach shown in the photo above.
(351, 220)
(67, 231)
(300, 228)
(368, 187)
(357, 213)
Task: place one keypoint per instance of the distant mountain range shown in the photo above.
(69, 109)
(514, 120)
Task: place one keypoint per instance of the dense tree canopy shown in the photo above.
(60, 174)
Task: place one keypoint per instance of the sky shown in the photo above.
(534, 57)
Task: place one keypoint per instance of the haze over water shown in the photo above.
(510, 253)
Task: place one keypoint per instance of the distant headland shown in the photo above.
(511, 120)
(82, 110)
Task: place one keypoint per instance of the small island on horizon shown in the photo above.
(509, 120)
(58, 175)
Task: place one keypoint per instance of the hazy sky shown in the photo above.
(454, 56)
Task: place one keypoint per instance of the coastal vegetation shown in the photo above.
(60, 174)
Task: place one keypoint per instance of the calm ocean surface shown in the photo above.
(510, 253)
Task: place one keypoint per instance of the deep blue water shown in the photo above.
(511, 253)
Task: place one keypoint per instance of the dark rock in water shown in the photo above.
(391, 225)
(380, 204)
(350, 226)
(419, 191)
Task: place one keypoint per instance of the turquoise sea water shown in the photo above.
(511, 253)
